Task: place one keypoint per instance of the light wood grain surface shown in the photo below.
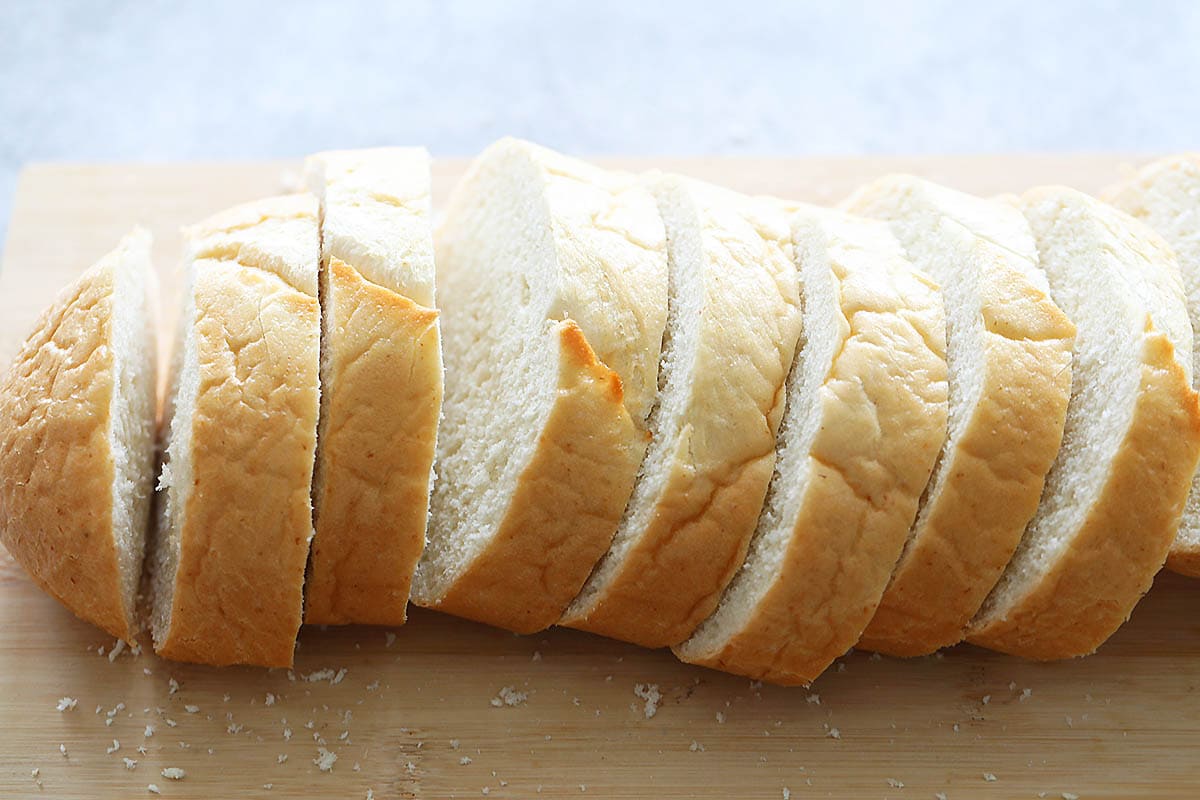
(414, 716)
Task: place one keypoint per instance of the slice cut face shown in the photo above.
(77, 421)
(381, 384)
(1009, 354)
(1166, 196)
(864, 420)
(731, 336)
(228, 563)
(1115, 492)
(553, 291)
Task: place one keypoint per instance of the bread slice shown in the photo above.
(553, 285)
(381, 384)
(77, 413)
(734, 318)
(1115, 492)
(232, 541)
(1009, 349)
(1166, 196)
(865, 417)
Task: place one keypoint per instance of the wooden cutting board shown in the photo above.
(415, 712)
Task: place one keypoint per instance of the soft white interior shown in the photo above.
(175, 478)
(1171, 206)
(132, 417)
(824, 329)
(498, 276)
(680, 343)
(1098, 282)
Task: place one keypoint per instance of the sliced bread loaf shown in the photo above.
(381, 384)
(733, 322)
(230, 552)
(1009, 356)
(1115, 492)
(864, 420)
(553, 290)
(77, 414)
(1166, 196)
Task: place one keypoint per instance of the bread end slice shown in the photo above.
(77, 423)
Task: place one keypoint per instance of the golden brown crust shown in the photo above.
(383, 397)
(567, 503)
(244, 542)
(995, 477)
(56, 463)
(670, 582)
(1091, 588)
(883, 411)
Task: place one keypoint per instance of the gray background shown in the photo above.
(218, 80)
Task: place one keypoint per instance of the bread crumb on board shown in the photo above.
(67, 704)
(114, 748)
(508, 696)
(648, 692)
(129, 763)
(325, 759)
(895, 784)
(173, 773)
(989, 777)
(153, 789)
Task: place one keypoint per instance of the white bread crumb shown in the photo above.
(940, 796)
(62, 748)
(464, 760)
(509, 696)
(895, 784)
(834, 733)
(1025, 695)
(270, 699)
(153, 789)
(1069, 796)
(537, 655)
(173, 773)
(454, 744)
(650, 693)
(172, 686)
(696, 747)
(814, 698)
(987, 698)
(115, 747)
(325, 759)
(149, 731)
(67, 703)
(989, 777)
(281, 758)
(116, 651)
(720, 717)
(129, 763)
(191, 709)
(787, 793)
